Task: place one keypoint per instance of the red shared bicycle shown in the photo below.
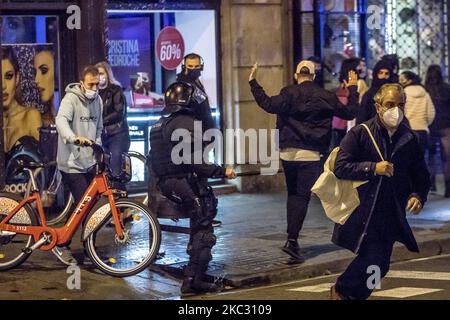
(121, 236)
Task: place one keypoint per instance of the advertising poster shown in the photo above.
(28, 95)
(130, 57)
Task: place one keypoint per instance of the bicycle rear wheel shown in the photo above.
(11, 244)
(127, 257)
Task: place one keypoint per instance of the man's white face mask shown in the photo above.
(393, 117)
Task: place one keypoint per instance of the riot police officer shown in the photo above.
(186, 181)
(192, 68)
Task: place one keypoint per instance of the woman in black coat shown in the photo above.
(440, 128)
(116, 136)
(402, 181)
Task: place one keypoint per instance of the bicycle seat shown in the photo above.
(29, 164)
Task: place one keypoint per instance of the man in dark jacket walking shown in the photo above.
(304, 114)
(382, 74)
(402, 181)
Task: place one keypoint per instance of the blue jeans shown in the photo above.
(116, 145)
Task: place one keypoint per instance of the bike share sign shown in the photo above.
(170, 48)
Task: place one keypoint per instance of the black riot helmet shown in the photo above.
(178, 97)
(182, 96)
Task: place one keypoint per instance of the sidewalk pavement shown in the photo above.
(248, 250)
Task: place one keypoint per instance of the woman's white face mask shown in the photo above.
(393, 117)
(102, 82)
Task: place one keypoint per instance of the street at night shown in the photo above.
(186, 152)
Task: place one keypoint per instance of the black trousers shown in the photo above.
(356, 283)
(116, 145)
(440, 139)
(198, 200)
(77, 184)
(300, 177)
(422, 136)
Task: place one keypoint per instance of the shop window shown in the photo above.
(341, 41)
(330, 30)
(420, 29)
(133, 55)
(376, 37)
(145, 68)
(30, 91)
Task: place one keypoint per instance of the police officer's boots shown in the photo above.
(191, 285)
(193, 282)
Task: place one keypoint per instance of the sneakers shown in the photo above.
(191, 287)
(216, 223)
(64, 255)
(293, 249)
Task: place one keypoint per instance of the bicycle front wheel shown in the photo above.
(128, 256)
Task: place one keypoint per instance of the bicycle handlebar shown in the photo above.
(77, 142)
(98, 150)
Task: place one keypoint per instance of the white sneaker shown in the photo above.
(64, 255)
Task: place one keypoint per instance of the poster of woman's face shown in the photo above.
(10, 80)
(15, 29)
(45, 76)
(28, 85)
(27, 89)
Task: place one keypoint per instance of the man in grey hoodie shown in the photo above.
(79, 118)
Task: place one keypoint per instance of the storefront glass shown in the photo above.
(330, 30)
(417, 31)
(146, 50)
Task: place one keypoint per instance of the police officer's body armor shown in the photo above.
(161, 160)
(198, 200)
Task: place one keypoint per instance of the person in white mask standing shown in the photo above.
(79, 119)
(398, 181)
(116, 136)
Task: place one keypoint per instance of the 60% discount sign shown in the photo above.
(170, 48)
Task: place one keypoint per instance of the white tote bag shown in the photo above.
(339, 197)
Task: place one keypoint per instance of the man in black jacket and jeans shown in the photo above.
(304, 114)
